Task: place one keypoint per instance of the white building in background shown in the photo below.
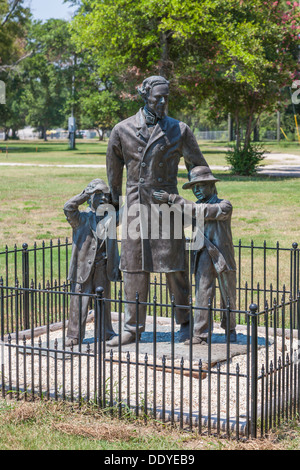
(28, 133)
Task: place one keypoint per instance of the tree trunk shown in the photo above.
(100, 133)
(247, 138)
(230, 128)
(163, 69)
(237, 131)
(14, 134)
(256, 132)
(278, 127)
(44, 134)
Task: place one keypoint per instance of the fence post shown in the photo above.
(254, 369)
(295, 277)
(298, 317)
(100, 320)
(25, 284)
(2, 308)
(298, 362)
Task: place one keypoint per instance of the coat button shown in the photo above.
(142, 180)
(162, 147)
(143, 164)
(159, 180)
(89, 261)
(140, 149)
(161, 164)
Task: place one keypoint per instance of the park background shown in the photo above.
(231, 65)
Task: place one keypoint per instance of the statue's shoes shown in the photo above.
(196, 340)
(184, 332)
(70, 342)
(126, 338)
(232, 336)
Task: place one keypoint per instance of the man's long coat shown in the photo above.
(151, 161)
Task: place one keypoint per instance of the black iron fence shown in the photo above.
(246, 387)
(263, 273)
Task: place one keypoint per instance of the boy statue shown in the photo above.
(94, 261)
(216, 257)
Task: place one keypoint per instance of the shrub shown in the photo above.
(245, 161)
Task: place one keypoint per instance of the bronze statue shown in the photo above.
(94, 261)
(216, 257)
(150, 145)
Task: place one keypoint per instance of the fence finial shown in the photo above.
(253, 309)
(99, 291)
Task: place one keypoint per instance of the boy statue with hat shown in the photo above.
(215, 259)
(95, 257)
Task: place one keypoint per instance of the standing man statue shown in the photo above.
(150, 145)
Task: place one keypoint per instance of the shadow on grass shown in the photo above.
(212, 151)
(230, 177)
(88, 152)
(48, 147)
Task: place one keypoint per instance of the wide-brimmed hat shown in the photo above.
(200, 174)
(99, 185)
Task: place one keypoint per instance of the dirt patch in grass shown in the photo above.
(93, 424)
(103, 431)
(69, 420)
(19, 414)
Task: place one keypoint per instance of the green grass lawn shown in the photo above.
(87, 153)
(31, 210)
(93, 152)
(53, 153)
(32, 198)
(58, 426)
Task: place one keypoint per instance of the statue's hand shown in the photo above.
(161, 195)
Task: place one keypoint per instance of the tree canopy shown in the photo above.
(14, 21)
(221, 56)
(238, 54)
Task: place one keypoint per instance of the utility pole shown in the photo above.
(278, 126)
(72, 120)
(72, 131)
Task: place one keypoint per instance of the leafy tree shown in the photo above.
(103, 103)
(124, 33)
(12, 113)
(14, 19)
(14, 23)
(238, 54)
(48, 75)
(125, 41)
(251, 54)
